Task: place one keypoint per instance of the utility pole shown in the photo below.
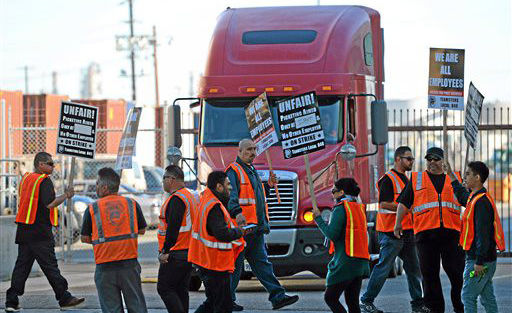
(54, 83)
(132, 53)
(155, 63)
(25, 71)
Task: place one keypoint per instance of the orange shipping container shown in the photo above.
(10, 101)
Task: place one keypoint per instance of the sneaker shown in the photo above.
(421, 309)
(286, 300)
(72, 302)
(12, 308)
(237, 307)
(367, 307)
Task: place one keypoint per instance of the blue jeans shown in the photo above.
(390, 248)
(479, 286)
(256, 254)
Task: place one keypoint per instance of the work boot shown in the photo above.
(367, 307)
(72, 302)
(286, 300)
(12, 308)
(237, 307)
(421, 309)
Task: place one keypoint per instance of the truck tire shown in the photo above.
(195, 283)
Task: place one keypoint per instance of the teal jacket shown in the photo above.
(341, 267)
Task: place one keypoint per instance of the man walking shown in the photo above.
(173, 234)
(436, 217)
(390, 186)
(112, 225)
(215, 244)
(248, 205)
(481, 234)
(37, 213)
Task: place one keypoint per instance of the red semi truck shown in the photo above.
(336, 51)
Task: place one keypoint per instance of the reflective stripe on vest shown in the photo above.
(99, 225)
(188, 220)
(246, 194)
(28, 198)
(386, 218)
(468, 224)
(432, 210)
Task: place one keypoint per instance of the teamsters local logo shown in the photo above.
(114, 214)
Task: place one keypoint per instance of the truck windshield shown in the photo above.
(224, 123)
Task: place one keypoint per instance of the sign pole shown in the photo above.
(310, 182)
(466, 160)
(69, 209)
(269, 161)
(445, 132)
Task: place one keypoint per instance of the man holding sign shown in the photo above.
(247, 204)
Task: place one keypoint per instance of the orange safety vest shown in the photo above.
(431, 209)
(114, 229)
(386, 218)
(28, 195)
(207, 251)
(468, 224)
(246, 197)
(356, 232)
(191, 203)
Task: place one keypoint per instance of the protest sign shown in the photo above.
(127, 143)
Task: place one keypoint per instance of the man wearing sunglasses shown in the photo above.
(436, 222)
(390, 186)
(37, 213)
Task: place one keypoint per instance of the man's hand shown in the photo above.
(479, 270)
(316, 212)
(272, 180)
(70, 192)
(240, 220)
(163, 258)
(398, 231)
(448, 169)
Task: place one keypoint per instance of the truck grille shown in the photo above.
(282, 211)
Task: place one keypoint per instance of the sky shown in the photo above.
(67, 35)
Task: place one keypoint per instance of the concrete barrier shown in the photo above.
(8, 249)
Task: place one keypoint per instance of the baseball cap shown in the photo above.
(435, 152)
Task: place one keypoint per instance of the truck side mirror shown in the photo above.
(174, 125)
(379, 117)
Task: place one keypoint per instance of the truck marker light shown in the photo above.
(288, 88)
(326, 88)
(269, 89)
(308, 216)
(250, 89)
(213, 90)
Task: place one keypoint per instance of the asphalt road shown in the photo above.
(394, 297)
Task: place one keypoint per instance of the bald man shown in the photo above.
(247, 203)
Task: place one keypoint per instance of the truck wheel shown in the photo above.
(245, 275)
(195, 283)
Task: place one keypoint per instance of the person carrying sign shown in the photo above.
(174, 231)
(481, 234)
(390, 186)
(248, 205)
(436, 223)
(347, 232)
(37, 213)
(112, 225)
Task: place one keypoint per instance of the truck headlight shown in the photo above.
(308, 216)
(80, 207)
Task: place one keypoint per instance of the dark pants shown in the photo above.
(44, 253)
(351, 288)
(125, 280)
(217, 287)
(173, 284)
(435, 247)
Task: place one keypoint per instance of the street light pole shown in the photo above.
(132, 53)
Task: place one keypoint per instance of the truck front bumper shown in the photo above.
(293, 250)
